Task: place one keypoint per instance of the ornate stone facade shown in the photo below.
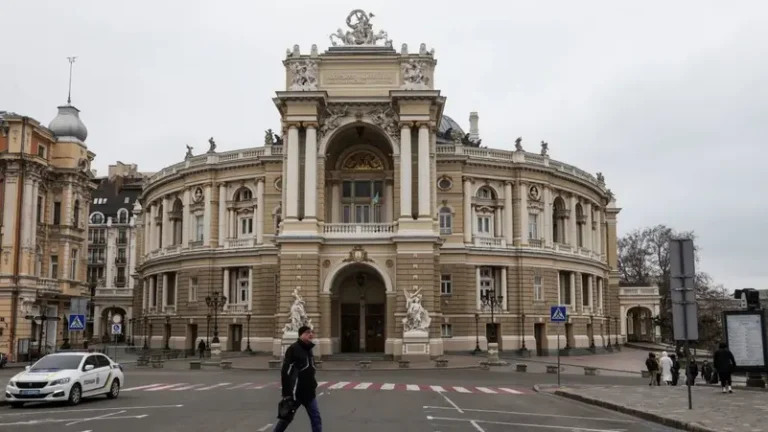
(45, 193)
(397, 198)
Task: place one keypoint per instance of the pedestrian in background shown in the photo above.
(675, 369)
(653, 368)
(693, 372)
(201, 348)
(666, 368)
(706, 371)
(298, 382)
(725, 363)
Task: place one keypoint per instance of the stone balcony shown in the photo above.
(240, 243)
(361, 230)
(47, 285)
(639, 291)
(500, 243)
(489, 242)
(114, 292)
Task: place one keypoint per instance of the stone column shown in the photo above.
(250, 289)
(232, 223)
(389, 195)
(477, 287)
(425, 210)
(186, 223)
(222, 214)
(97, 322)
(33, 224)
(505, 301)
(10, 224)
(467, 210)
(335, 201)
(591, 299)
(523, 190)
(260, 208)
(498, 222)
(588, 226)
(405, 172)
(572, 236)
(391, 307)
(508, 235)
(167, 230)
(225, 288)
(152, 300)
(26, 214)
(291, 184)
(546, 224)
(599, 231)
(165, 291)
(207, 216)
(600, 295)
(623, 321)
(145, 295)
(574, 304)
(657, 328)
(147, 222)
(326, 317)
(69, 201)
(310, 174)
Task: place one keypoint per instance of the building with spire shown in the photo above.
(45, 195)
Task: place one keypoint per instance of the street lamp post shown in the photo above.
(167, 331)
(146, 324)
(592, 333)
(522, 332)
(215, 302)
(477, 334)
(208, 332)
(616, 322)
(248, 331)
(490, 299)
(608, 326)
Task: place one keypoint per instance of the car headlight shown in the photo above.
(12, 383)
(59, 381)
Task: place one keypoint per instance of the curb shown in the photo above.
(553, 363)
(247, 368)
(666, 421)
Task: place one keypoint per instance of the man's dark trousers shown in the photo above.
(314, 417)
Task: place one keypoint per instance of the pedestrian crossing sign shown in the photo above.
(558, 314)
(76, 322)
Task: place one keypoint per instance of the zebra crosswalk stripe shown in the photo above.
(461, 390)
(387, 386)
(239, 386)
(166, 387)
(363, 386)
(438, 389)
(339, 385)
(486, 390)
(141, 387)
(412, 387)
(213, 386)
(189, 387)
(509, 390)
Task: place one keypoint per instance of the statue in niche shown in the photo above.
(298, 314)
(416, 317)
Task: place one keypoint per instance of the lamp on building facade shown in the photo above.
(608, 325)
(208, 332)
(477, 334)
(215, 302)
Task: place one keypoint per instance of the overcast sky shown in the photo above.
(667, 98)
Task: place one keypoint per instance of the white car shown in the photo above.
(66, 377)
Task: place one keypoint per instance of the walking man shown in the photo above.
(724, 365)
(201, 348)
(653, 368)
(298, 381)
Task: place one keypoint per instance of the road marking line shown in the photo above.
(486, 390)
(239, 386)
(213, 386)
(363, 386)
(322, 383)
(387, 386)
(189, 387)
(508, 390)
(452, 403)
(264, 428)
(438, 389)
(165, 387)
(570, 428)
(412, 387)
(461, 390)
(36, 412)
(338, 385)
(535, 414)
(477, 426)
(141, 387)
(103, 416)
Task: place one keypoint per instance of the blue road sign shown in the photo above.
(117, 328)
(76, 322)
(558, 314)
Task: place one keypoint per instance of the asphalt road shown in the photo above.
(234, 401)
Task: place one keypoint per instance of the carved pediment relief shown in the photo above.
(362, 161)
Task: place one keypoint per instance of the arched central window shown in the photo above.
(361, 201)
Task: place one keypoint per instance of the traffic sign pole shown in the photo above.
(558, 354)
(558, 315)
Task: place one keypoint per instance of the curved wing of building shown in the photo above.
(377, 219)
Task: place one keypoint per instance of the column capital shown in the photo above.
(406, 124)
(310, 124)
(291, 124)
(219, 184)
(509, 182)
(466, 179)
(260, 179)
(421, 124)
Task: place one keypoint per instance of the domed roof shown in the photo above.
(448, 127)
(67, 123)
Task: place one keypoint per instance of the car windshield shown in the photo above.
(58, 362)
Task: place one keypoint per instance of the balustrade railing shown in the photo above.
(362, 229)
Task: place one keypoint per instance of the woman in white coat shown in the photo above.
(666, 368)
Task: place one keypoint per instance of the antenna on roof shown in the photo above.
(69, 93)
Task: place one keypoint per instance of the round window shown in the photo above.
(444, 183)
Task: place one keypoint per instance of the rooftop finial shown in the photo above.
(69, 93)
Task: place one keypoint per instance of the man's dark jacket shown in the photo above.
(298, 373)
(724, 361)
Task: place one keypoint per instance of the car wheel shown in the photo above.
(75, 394)
(17, 404)
(114, 391)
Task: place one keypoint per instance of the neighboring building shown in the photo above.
(112, 250)
(639, 306)
(45, 195)
(355, 227)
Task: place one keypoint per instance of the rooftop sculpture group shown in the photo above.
(362, 33)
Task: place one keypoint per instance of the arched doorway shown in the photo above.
(640, 324)
(358, 310)
(113, 315)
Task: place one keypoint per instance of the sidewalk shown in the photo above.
(454, 362)
(712, 411)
